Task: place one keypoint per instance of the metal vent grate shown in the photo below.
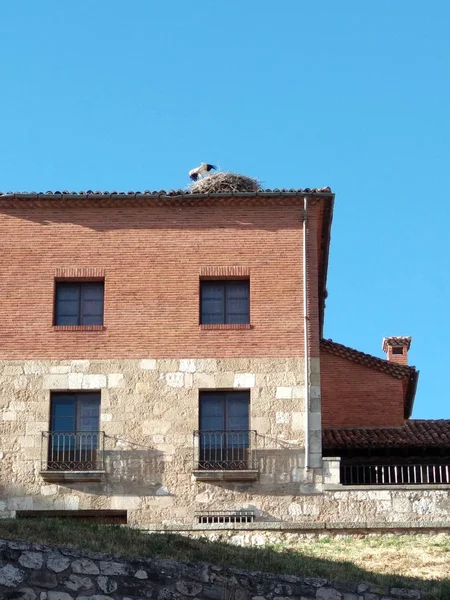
(222, 516)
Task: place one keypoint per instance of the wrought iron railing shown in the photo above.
(396, 474)
(225, 450)
(72, 450)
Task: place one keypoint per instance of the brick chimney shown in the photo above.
(396, 349)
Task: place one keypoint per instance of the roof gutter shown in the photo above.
(411, 394)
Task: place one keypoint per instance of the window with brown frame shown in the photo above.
(79, 303)
(225, 301)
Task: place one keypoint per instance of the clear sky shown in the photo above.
(108, 94)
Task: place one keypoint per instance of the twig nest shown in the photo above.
(224, 182)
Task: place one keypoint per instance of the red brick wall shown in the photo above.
(355, 395)
(152, 257)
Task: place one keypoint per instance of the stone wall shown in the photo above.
(34, 572)
(149, 410)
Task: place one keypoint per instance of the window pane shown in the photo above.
(212, 302)
(68, 291)
(92, 304)
(237, 302)
(88, 412)
(67, 304)
(237, 411)
(93, 291)
(237, 289)
(211, 411)
(63, 413)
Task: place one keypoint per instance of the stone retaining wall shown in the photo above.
(35, 572)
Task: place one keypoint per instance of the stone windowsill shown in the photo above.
(337, 487)
(78, 328)
(73, 475)
(226, 475)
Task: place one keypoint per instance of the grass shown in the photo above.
(412, 561)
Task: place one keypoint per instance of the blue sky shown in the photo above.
(355, 95)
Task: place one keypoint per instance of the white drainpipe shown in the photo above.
(306, 336)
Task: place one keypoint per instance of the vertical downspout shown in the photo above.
(306, 327)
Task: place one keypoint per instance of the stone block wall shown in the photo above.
(35, 572)
(149, 410)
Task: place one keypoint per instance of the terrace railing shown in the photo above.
(395, 474)
(225, 450)
(72, 450)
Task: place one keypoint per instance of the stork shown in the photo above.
(202, 170)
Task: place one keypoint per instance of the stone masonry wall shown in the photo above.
(35, 572)
(149, 410)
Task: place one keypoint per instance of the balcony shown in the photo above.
(395, 474)
(72, 455)
(221, 455)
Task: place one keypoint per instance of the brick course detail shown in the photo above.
(152, 257)
(356, 395)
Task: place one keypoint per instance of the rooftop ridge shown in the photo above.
(284, 191)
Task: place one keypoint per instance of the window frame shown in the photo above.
(225, 283)
(80, 283)
(224, 395)
(75, 396)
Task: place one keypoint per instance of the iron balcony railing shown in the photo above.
(73, 450)
(398, 474)
(225, 450)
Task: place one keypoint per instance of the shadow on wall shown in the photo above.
(153, 216)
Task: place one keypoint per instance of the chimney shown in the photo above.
(396, 349)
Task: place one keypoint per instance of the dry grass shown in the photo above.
(409, 561)
(225, 182)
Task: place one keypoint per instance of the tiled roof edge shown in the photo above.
(318, 192)
(415, 432)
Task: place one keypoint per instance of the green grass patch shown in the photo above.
(408, 561)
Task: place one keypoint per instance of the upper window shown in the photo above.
(79, 303)
(225, 302)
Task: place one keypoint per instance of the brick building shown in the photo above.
(162, 362)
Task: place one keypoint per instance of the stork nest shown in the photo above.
(225, 182)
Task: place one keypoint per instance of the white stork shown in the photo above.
(202, 170)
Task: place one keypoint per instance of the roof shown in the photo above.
(409, 374)
(414, 433)
(368, 360)
(326, 191)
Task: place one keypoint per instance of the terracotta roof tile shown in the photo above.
(284, 191)
(401, 341)
(414, 433)
(380, 364)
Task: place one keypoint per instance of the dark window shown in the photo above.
(224, 437)
(74, 441)
(397, 350)
(224, 411)
(225, 302)
(79, 303)
(78, 412)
